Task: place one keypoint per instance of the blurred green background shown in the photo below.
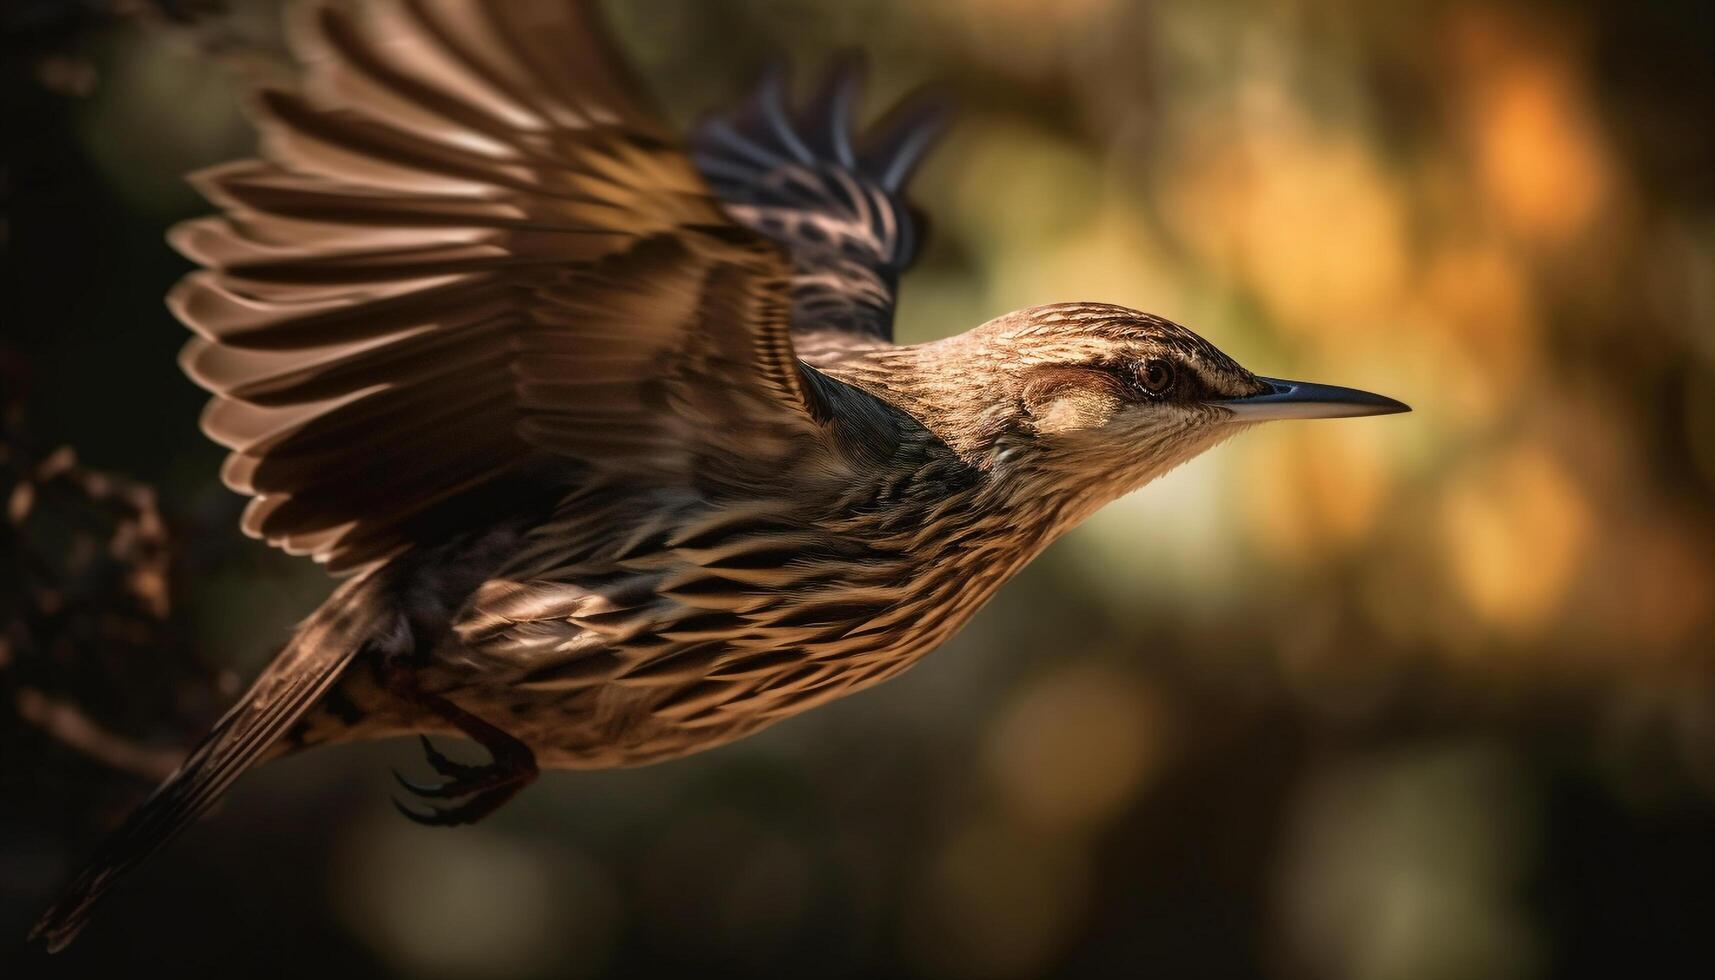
(1404, 699)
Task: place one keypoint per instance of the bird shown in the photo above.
(605, 427)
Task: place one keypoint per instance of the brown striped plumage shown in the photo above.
(614, 436)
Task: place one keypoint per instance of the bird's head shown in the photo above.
(1098, 400)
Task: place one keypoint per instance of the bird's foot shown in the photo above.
(466, 780)
(483, 788)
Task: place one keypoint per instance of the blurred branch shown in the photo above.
(67, 723)
(88, 624)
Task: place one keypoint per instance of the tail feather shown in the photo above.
(304, 671)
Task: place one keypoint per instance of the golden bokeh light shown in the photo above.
(1305, 217)
(1316, 489)
(1479, 294)
(1516, 528)
(1539, 154)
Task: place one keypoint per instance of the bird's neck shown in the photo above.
(967, 410)
(1020, 498)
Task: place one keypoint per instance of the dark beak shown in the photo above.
(1303, 400)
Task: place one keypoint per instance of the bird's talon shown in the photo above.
(468, 812)
(445, 766)
(504, 776)
(426, 819)
(420, 789)
(454, 816)
(468, 792)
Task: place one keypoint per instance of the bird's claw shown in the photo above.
(425, 790)
(461, 779)
(486, 786)
(468, 812)
(445, 766)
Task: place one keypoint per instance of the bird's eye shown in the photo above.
(1156, 375)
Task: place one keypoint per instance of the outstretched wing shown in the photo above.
(467, 254)
(834, 197)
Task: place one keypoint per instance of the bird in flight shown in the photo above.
(607, 429)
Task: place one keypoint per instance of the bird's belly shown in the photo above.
(637, 655)
(623, 704)
(691, 683)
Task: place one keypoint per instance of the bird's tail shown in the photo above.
(311, 662)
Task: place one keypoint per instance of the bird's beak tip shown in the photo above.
(1305, 400)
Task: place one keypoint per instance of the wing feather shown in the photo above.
(833, 197)
(468, 255)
